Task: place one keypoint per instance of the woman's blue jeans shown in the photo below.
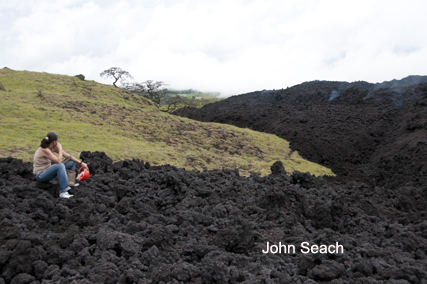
(57, 170)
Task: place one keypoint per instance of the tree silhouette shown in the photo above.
(117, 73)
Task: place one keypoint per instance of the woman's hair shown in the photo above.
(50, 137)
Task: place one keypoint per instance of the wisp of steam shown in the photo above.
(333, 95)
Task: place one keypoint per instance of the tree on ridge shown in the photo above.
(117, 73)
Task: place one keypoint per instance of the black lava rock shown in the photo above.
(129, 223)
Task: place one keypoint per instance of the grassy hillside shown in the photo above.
(89, 116)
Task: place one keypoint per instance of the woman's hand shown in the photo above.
(57, 148)
(84, 165)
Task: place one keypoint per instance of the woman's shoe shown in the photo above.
(65, 194)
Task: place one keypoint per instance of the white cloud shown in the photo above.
(232, 46)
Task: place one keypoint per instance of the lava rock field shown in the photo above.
(371, 133)
(136, 223)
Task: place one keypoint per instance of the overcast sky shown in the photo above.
(227, 46)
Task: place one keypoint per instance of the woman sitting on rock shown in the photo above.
(45, 171)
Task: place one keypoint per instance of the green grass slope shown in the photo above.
(89, 116)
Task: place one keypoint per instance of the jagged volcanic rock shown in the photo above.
(372, 133)
(135, 223)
